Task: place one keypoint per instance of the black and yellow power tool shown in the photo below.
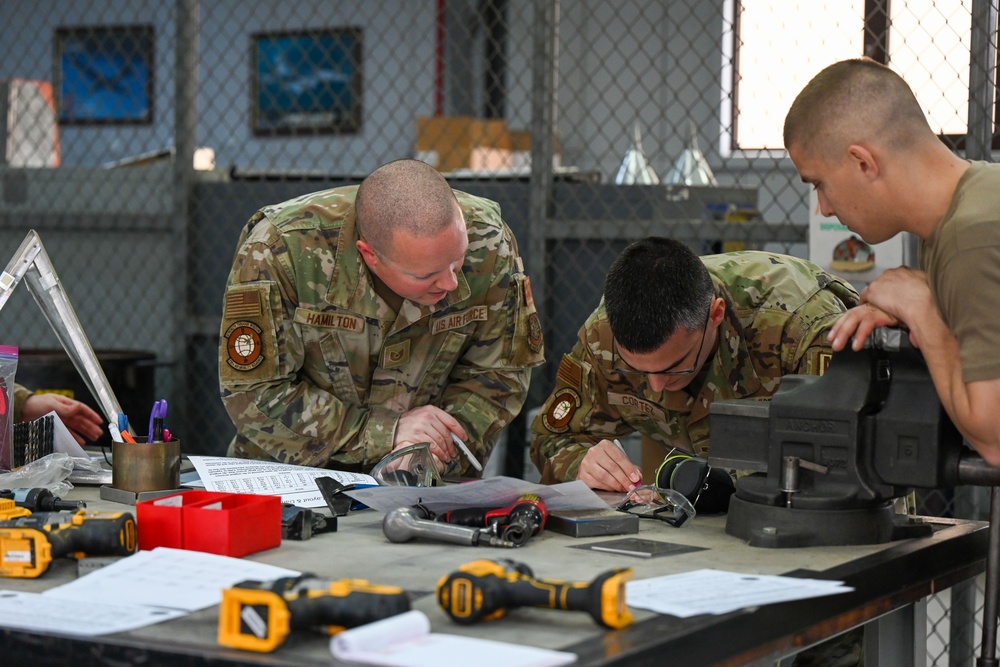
(484, 590)
(258, 616)
(29, 544)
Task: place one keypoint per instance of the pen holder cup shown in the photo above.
(143, 466)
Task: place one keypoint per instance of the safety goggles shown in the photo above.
(653, 502)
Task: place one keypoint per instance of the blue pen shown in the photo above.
(122, 422)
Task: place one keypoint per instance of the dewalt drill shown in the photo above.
(484, 590)
(29, 544)
(258, 616)
(516, 523)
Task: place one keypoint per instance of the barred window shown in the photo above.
(771, 48)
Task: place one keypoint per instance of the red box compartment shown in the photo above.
(160, 521)
(229, 524)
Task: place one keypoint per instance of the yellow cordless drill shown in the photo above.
(29, 544)
(484, 590)
(258, 616)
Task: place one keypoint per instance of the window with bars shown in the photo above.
(772, 48)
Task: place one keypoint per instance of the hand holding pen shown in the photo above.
(606, 466)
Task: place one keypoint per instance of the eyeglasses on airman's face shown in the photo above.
(621, 366)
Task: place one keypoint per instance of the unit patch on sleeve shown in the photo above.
(564, 405)
(248, 352)
(244, 345)
(534, 326)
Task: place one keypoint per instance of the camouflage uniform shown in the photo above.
(315, 368)
(778, 310)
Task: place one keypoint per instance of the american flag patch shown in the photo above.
(569, 372)
(243, 304)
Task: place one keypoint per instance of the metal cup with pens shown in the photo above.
(150, 463)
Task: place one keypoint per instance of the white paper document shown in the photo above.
(406, 640)
(295, 484)
(164, 577)
(31, 611)
(719, 592)
(63, 440)
(142, 589)
(490, 492)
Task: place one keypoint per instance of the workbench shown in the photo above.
(890, 581)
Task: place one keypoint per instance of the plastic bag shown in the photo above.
(8, 367)
(49, 471)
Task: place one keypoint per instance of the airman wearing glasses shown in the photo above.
(673, 333)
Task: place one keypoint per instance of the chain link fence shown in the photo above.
(141, 135)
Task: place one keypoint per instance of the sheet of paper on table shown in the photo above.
(295, 484)
(405, 640)
(133, 592)
(719, 592)
(489, 492)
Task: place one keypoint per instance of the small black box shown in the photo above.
(592, 523)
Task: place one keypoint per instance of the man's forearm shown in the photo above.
(971, 406)
(485, 404)
(302, 424)
(558, 459)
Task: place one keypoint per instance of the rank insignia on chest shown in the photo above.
(396, 354)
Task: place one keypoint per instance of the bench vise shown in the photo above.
(830, 453)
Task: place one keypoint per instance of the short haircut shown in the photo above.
(655, 287)
(405, 195)
(854, 101)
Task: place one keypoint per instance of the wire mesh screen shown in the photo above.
(141, 135)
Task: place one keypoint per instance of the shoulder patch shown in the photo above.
(824, 362)
(247, 351)
(569, 372)
(564, 405)
(244, 345)
(534, 326)
(243, 303)
(528, 346)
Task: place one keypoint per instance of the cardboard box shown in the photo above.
(229, 524)
(449, 143)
